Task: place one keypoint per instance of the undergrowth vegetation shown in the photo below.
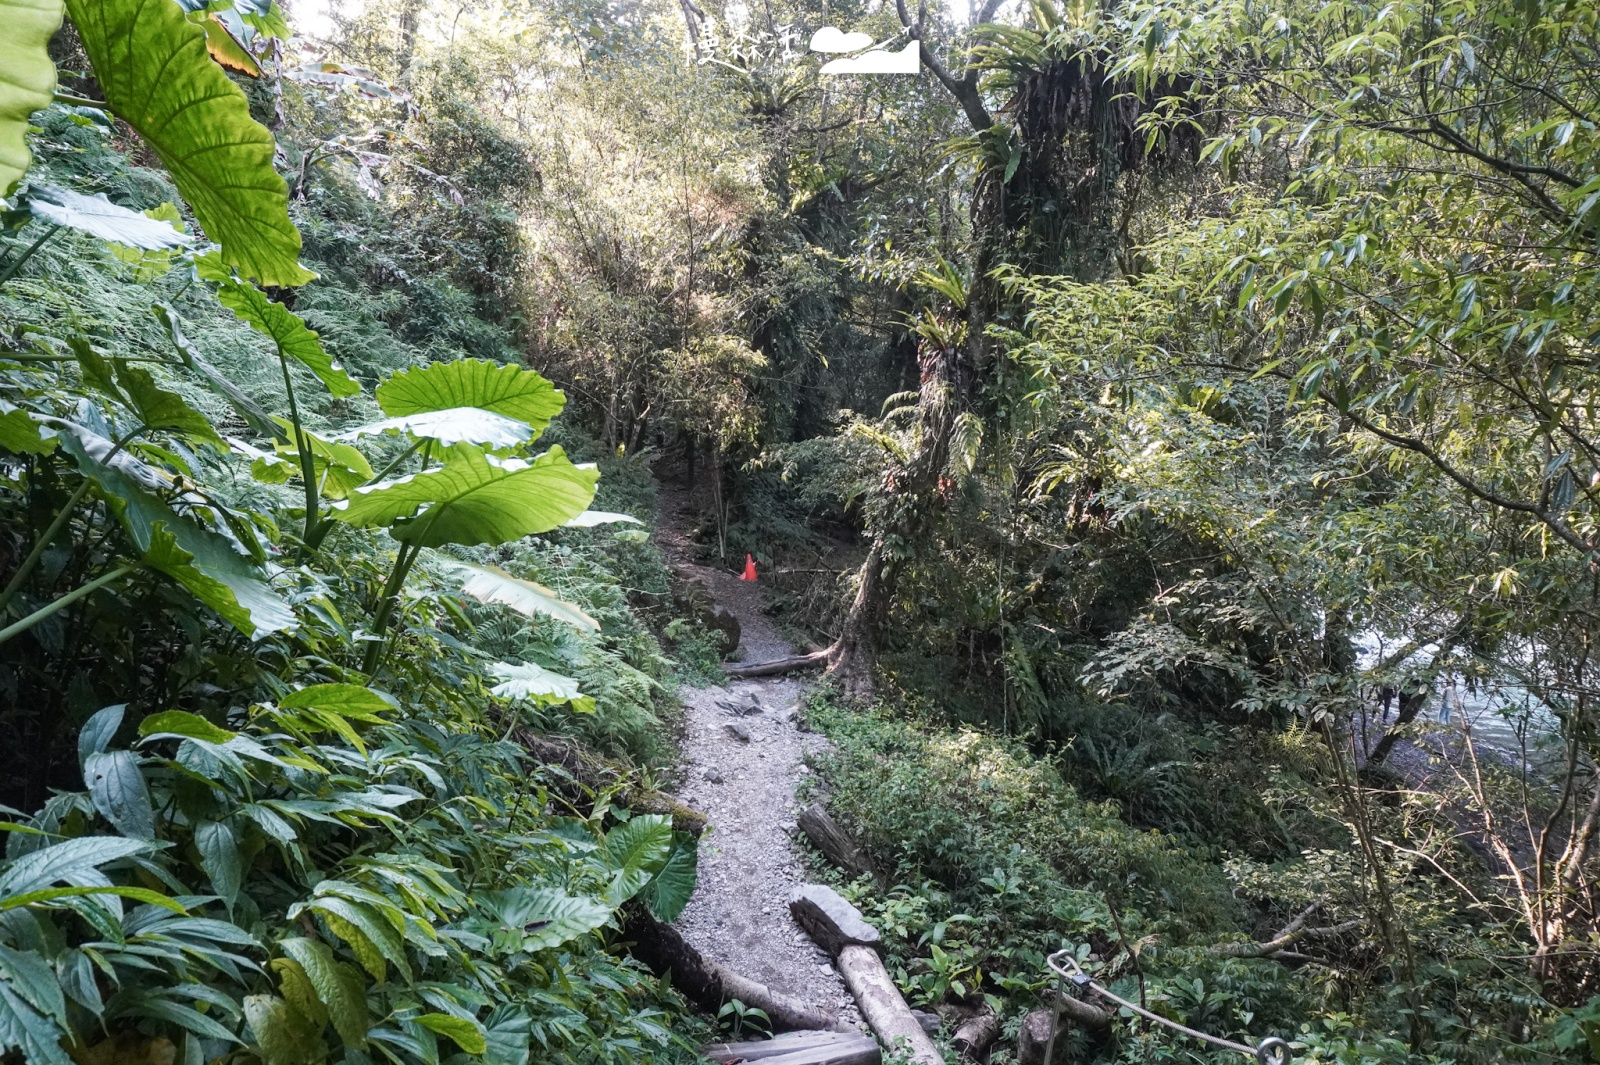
(1171, 423)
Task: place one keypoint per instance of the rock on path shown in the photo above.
(739, 915)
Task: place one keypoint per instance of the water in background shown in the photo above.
(1503, 716)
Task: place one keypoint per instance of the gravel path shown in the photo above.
(739, 915)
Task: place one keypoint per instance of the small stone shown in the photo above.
(713, 775)
(738, 731)
(790, 828)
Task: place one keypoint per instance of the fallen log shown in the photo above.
(800, 1048)
(829, 919)
(710, 986)
(1079, 1011)
(975, 1035)
(780, 665)
(885, 1012)
(838, 928)
(826, 835)
(1289, 936)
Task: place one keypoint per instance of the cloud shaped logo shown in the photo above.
(829, 39)
(907, 60)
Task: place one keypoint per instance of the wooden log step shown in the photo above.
(826, 835)
(800, 1048)
(829, 919)
(882, 1007)
(708, 985)
(838, 928)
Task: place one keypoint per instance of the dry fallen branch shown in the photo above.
(1290, 934)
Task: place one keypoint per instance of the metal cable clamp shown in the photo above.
(1270, 1051)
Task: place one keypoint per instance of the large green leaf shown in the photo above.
(201, 560)
(33, 978)
(670, 889)
(637, 850)
(493, 585)
(27, 1029)
(248, 409)
(27, 79)
(118, 790)
(219, 857)
(455, 425)
(73, 859)
(468, 1035)
(182, 723)
(338, 468)
(475, 498)
(591, 518)
(332, 707)
(295, 986)
(285, 1036)
(153, 70)
(101, 218)
(369, 935)
(22, 434)
(354, 701)
(545, 917)
(154, 406)
(137, 894)
(96, 733)
(217, 575)
(338, 987)
(288, 331)
(508, 390)
(533, 682)
(508, 1031)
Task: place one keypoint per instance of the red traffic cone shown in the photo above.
(749, 573)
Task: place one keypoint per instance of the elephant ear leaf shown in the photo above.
(506, 390)
(101, 218)
(155, 74)
(670, 890)
(491, 585)
(475, 498)
(27, 79)
(637, 851)
(533, 682)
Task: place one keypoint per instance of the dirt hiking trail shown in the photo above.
(739, 916)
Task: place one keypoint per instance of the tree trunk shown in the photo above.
(854, 655)
(1411, 704)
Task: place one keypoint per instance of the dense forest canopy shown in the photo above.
(1170, 426)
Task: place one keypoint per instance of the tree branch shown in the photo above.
(963, 89)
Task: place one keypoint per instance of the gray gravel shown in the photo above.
(739, 915)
